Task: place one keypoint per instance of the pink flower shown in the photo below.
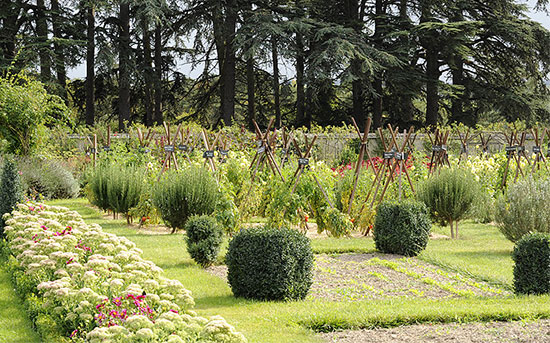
(43, 227)
(74, 333)
(174, 311)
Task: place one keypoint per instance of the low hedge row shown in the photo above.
(81, 284)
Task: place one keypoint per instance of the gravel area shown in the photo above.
(493, 332)
(354, 277)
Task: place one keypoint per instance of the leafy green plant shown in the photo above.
(204, 238)
(402, 228)
(532, 264)
(26, 109)
(270, 264)
(10, 190)
(524, 209)
(179, 195)
(449, 195)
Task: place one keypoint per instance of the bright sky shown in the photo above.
(541, 17)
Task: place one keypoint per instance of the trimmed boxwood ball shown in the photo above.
(203, 237)
(270, 264)
(532, 264)
(402, 228)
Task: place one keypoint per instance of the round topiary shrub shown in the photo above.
(402, 228)
(532, 264)
(204, 238)
(270, 264)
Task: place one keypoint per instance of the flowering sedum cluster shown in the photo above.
(98, 286)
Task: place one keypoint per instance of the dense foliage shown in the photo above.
(10, 190)
(532, 264)
(524, 209)
(402, 228)
(180, 195)
(270, 264)
(406, 62)
(204, 237)
(25, 111)
(449, 195)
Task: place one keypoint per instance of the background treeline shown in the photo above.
(406, 62)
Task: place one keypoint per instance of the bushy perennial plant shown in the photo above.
(95, 286)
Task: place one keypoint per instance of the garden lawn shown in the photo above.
(482, 253)
(15, 326)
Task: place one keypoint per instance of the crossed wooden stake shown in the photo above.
(537, 149)
(169, 149)
(440, 156)
(463, 144)
(362, 151)
(285, 150)
(145, 141)
(485, 139)
(264, 151)
(516, 150)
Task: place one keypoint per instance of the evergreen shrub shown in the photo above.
(402, 228)
(270, 264)
(532, 264)
(204, 238)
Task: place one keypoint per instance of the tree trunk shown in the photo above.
(377, 99)
(357, 94)
(276, 96)
(90, 66)
(457, 102)
(44, 46)
(229, 63)
(432, 69)
(148, 75)
(300, 81)
(8, 31)
(432, 84)
(158, 117)
(251, 92)
(58, 48)
(123, 67)
(452, 229)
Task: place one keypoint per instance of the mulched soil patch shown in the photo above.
(353, 277)
(493, 332)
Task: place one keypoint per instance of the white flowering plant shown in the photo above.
(95, 286)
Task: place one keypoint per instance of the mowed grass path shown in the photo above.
(482, 252)
(15, 326)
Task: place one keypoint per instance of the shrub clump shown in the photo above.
(10, 190)
(532, 264)
(270, 264)
(116, 188)
(449, 195)
(204, 238)
(181, 195)
(48, 178)
(402, 228)
(524, 209)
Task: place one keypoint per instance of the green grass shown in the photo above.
(15, 326)
(481, 252)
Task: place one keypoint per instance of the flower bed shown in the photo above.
(81, 284)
